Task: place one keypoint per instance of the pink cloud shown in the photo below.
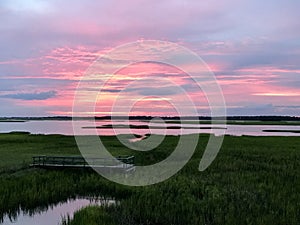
(254, 62)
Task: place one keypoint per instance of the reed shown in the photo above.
(254, 180)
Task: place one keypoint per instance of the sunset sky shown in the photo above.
(253, 48)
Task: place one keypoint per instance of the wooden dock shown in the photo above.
(124, 163)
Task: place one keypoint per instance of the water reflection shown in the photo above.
(53, 214)
(66, 128)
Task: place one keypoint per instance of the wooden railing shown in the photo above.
(79, 161)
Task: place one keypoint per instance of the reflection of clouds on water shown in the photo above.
(65, 128)
(54, 214)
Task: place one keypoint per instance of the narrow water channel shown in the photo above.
(54, 214)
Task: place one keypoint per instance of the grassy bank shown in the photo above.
(254, 180)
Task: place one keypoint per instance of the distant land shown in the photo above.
(203, 118)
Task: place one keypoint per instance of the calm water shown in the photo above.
(54, 214)
(66, 128)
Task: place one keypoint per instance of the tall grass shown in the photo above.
(35, 190)
(254, 180)
(92, 215)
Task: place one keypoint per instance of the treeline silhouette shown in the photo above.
(237, 118)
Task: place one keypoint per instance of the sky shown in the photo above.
(252, 47)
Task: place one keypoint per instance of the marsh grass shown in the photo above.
(254, 180)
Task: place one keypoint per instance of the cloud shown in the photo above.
(253, 49)
(31, 96)
(159, 91)
(106, 90)
(252, 110)
(24, 84)
(278, 94)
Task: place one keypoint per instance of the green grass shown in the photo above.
(17, 149)
(95, 215)
(254, 180)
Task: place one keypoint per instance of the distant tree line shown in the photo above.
(237, 118)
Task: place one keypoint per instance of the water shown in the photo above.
(54, 214)
(66, 128)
